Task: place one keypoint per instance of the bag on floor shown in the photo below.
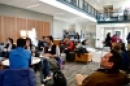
(53, 64)
(59, 79)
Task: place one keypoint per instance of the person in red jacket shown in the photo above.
(68, 46)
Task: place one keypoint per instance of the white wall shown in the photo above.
(90, 28)
(59, 26)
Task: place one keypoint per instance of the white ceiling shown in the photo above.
(117, 4)
(45, 8)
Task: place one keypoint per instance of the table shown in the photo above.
(35, 60)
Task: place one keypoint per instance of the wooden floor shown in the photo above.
(71, 69)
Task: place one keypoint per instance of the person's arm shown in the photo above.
(88, 81)
(30, 60)
(42, 53)
(70, 47)
(57, 51)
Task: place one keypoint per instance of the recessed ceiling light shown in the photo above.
(32, 6)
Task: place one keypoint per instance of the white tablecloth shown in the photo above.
(35, 60)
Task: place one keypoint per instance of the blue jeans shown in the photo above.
(45, 68)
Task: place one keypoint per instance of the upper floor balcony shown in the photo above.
(114, 17)
(82, 6)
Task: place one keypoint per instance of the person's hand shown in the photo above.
(66, 48)
(5, 49)
(47, 55)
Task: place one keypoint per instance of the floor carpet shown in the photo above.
(71, 69)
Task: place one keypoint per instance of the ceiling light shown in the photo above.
(32, 6)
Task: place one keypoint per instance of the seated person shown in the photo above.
(41, 43)
(122, 46)
(51, 54)
(29, 46)
(81, 48)
(51, 50)
(125, 58)
(68, 46)
(19, 57)
(8, 47)
(108, 75)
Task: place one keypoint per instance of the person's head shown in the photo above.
(77, 33)
(109, 34)
(129, 34)
(28, 42)
(49, 39)
(10, 41)
(21, 42)
(67, 39)
(117, 47)
(84, 42)
(44, 38)
(111, 60)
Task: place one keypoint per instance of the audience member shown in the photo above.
(51, 54)
(51, 50)
(42, 43)
(77, 37)
(108, 40)
(125, 58)
(122, 45)
(29, 46)
(19, 57)
(115, 39)
(108, 75)
(84, 43)
(128, 41)
(81, 48)
(8, 47)
(68, 46)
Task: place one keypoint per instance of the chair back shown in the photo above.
(17, 77)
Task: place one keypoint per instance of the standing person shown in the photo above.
(115, 40)
(8, 47)
(108, 75)
(108, 40)
(20, 57)
(77, 36)
(128, 41)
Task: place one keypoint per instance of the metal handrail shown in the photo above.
(83, 6)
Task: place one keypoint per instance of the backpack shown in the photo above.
(53, 64)
(59, 78)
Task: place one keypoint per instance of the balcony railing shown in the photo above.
(83, 6)
(114, 17)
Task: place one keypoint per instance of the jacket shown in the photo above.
(17, 77)
(106, 77)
